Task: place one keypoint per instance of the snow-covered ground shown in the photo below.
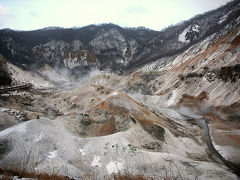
(189, 29)
(104, 155)
(21, 76)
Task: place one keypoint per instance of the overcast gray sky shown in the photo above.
(154, 14)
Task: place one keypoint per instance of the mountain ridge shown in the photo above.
(130, 48)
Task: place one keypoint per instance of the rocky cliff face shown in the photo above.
(5, 78)
(109, 46)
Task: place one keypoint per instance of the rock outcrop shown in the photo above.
(5, 78)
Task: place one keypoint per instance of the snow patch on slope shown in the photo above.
(222, 19)
(114, 167)
(52, 154)
(182, 36)
(95, 162)
(82, 152)
(21, 76)
(21, 128)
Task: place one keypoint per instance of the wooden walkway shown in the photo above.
(26, 86)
